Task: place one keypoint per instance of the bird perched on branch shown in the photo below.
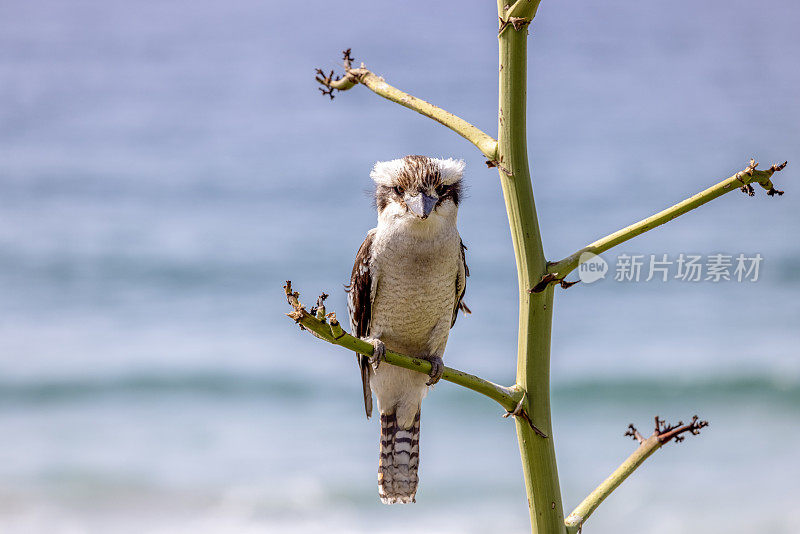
(405, 292)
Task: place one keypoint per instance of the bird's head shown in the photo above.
(418, 190)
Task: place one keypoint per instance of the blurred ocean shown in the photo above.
(165, 165)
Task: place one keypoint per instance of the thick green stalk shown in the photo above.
(535, 309)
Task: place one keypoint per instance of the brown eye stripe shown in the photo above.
(452, 191)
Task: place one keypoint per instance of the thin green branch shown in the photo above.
(740, 180)
(520, 8)
(661, 435)
(353, 76)
(332, 332)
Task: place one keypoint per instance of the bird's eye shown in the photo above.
(441, 190)
(399, 190)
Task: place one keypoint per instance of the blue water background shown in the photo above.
(166, 165)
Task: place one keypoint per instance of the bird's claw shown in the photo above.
(378, 354)
(437, 370)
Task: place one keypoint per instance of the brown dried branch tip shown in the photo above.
(633, 433)
(293, 298)
(747, 188)
(351, 77)
(347, 59)
(325, 80)
(776, 168)
(666, 432)
(318, 310)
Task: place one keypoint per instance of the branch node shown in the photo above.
(519, 411)
(518, 23)
(543, 283)
(551, 278)
(490, 163)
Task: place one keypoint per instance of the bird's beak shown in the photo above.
(421, 204)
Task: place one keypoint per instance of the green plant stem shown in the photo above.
(567, 265)
(332, 332)
(484, 142)
(535, 310)
(578, 516)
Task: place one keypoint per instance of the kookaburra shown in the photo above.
(405, 292)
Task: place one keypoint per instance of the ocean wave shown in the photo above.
(283, 388)
(200, 384)
(744, 387)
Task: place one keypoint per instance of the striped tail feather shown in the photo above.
(399, 461)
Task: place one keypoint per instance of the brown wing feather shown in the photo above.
(461, 287)
(359, 306)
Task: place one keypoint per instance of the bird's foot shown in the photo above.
(437, 369)
(378, 354)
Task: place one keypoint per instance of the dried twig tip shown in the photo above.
(633, 433)
(347, 59)
(566, 285)
(319, 308)
(751, 168)
(778, 167)
(325, 80)
(293, 298)
(667, 432)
